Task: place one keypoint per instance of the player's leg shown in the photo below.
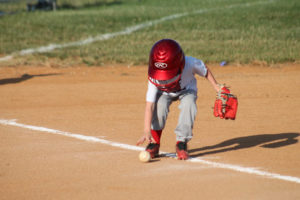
(159, 118)
(183, 131)
(160, 114)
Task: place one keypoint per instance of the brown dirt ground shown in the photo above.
(108, 102)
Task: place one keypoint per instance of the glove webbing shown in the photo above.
(224, 100)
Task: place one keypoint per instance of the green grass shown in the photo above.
(267, 32)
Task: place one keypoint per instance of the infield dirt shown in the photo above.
(108, 102)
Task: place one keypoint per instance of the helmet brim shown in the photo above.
(163, 74)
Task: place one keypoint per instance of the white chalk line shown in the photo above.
(126, 31)
(237, 168)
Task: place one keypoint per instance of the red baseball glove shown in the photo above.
(226, 104)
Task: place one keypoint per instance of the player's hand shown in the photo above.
(146, 137)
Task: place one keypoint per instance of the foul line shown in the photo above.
(237, 168)
(126, 31)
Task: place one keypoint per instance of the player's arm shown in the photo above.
(210, 77)
(147, 123)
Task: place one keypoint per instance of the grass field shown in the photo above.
(237, 31)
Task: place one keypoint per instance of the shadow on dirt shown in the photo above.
(265, 140)
(24, 77)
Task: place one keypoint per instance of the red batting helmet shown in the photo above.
(166, 60)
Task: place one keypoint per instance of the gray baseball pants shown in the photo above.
(188, 111)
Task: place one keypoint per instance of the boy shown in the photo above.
(171, 77)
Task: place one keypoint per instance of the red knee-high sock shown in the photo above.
(156, 134)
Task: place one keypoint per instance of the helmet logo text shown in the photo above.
(161, 65)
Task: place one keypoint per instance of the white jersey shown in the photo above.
(188, 81)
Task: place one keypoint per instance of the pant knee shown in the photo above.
(160, 113)
(188, 104)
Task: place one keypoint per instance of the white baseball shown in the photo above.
(144, 156)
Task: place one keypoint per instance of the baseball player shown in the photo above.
(171, 77)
